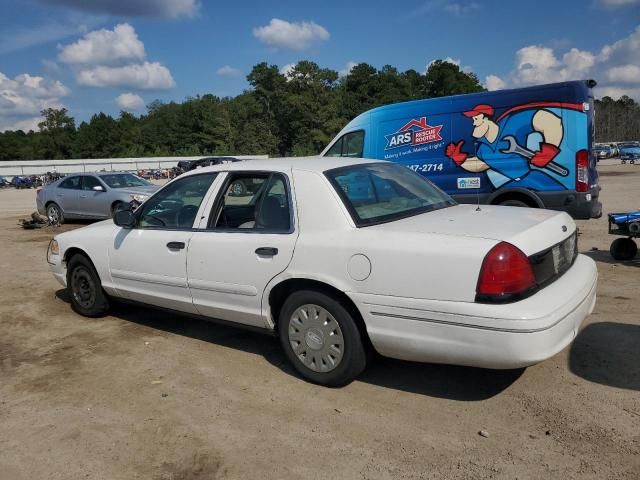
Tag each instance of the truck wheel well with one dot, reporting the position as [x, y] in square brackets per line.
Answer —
[519, 196]
[280, 292]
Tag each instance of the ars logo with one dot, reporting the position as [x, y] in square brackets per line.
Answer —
[416, 132]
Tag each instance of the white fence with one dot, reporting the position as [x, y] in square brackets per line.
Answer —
[38, 167]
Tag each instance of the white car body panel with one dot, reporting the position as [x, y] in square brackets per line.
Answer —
[412, 280]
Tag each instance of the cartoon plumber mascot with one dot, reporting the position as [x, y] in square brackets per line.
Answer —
[539, 133]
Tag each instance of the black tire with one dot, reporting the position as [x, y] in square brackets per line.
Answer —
[55, 214]
[354, 357]
[623, 249]
[85, 289]
[514, 203]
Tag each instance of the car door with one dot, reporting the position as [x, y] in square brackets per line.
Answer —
[148, 263]
[67, 195]
[93, 203]
[246, 240]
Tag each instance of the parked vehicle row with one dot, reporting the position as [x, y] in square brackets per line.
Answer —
[337, 256]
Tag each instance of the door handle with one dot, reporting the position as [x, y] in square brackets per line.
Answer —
[175, 245]
[267, 251]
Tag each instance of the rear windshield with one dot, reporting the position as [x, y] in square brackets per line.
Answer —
[381, 192]
[124, 180]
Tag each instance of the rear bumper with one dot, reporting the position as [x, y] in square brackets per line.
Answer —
[491, 336]
[582, 206]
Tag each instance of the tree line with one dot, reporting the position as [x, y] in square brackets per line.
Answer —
[293, 113]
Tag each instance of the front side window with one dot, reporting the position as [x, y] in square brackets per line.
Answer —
[72, 183]
[377, 193]
[253, 201]
[349, 145]
[124, 180]
[176, 205]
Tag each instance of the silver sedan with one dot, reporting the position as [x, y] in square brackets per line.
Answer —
[94, 196]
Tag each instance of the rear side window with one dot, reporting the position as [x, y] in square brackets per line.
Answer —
[71, 183]
[254, 201]
[349, 145]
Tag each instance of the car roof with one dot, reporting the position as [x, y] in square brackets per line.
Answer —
[313, 164]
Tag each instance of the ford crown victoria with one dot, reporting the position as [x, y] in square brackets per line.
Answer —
[339, 257]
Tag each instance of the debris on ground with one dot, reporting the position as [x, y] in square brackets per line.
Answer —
[483, 433]
[35, 221]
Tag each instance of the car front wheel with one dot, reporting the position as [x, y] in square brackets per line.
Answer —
[85, 289]
[321, 339]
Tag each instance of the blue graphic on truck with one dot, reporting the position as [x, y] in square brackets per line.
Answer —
[529, 147]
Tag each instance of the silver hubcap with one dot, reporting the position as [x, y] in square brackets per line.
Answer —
[53, 215]
[316, 338]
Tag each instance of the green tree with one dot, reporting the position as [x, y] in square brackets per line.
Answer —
[444, 78]
[57, 132]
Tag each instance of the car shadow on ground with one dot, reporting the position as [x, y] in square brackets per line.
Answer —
[603, 256]
[442, 381]
[608, 353]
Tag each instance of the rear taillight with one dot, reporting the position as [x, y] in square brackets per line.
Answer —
[506, 275]
[582, 171]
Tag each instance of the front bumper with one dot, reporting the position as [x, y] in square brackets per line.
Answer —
[490, 336]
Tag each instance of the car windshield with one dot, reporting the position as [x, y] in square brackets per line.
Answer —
[124, 180]
[380, 192]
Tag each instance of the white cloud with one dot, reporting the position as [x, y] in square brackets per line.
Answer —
[104, 47]
[145, 76]
[130, 102]
[493, 82]
[24, 125]
[624, 74]
[446, 6]
[292, 35]
[28, 94]
[228, 71]
[25, 96]
[141, 8]
[347, 69]
[616, 67]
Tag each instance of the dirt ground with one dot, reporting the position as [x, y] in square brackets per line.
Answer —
[146, 395]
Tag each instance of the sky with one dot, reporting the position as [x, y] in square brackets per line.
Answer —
[93, 56]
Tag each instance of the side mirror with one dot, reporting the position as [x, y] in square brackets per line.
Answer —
[124, 218]
[98, 188]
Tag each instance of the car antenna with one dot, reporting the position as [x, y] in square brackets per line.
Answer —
[478, 209]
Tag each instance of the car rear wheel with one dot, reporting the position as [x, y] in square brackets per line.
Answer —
[321, 339]
[55, 214]
[85, 289]
[623, 249]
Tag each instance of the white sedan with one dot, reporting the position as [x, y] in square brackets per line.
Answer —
[339, 256]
